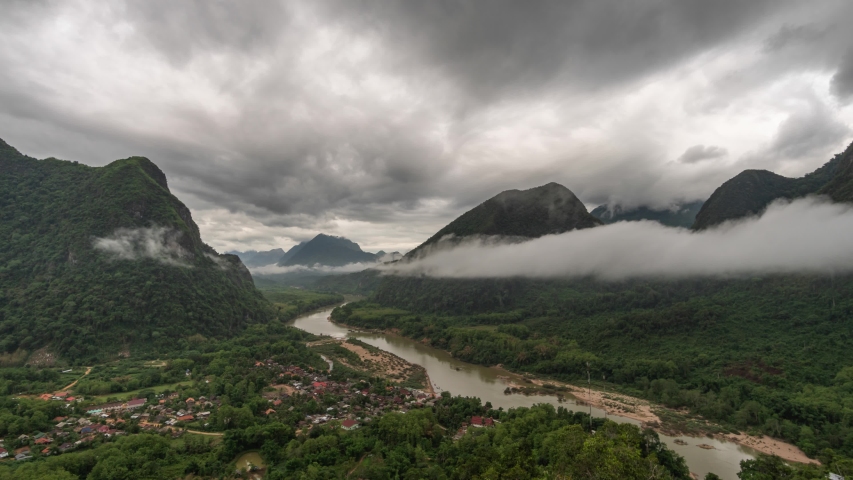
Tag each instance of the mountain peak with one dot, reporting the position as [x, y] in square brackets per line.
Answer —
[547, 209]
[326, 250]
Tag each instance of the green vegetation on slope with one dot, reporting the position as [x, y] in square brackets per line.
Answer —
[539, 211]
[751, 191]
[768, 354]
[58, 291]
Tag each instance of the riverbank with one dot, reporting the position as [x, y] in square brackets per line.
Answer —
[644, 411]
[633, 408]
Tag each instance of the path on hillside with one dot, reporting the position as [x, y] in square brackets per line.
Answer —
[212, 434]
[68, 387]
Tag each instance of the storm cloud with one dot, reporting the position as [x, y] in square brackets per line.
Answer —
[382, 121]
[804, 236]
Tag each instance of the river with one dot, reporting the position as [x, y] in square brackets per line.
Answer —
[461, 378]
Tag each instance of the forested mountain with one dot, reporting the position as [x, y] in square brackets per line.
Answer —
[290, 253]
[681, 215]
[532, 213]
[253, 258]
[751, 191]
[97, 260]
[327, 250]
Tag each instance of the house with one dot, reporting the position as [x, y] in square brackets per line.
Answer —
[135, 403]
[482, 422]
[269, 411]
[46, 451]
[22, 450]
[22, 456]
[3, 453]
[44, 441]
[349, 424]
[185, 418]
[65, 446]
[45, 396]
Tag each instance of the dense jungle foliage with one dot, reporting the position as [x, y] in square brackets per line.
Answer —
[766, 354]
[58, 291]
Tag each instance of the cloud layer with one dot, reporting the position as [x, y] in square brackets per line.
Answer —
[382, 121]
[806, 236]
[156, 243]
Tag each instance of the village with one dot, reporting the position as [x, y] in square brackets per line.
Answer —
[304, 399]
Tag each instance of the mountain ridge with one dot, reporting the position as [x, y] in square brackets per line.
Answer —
[99, 259]
[751, 191]
[547, 209]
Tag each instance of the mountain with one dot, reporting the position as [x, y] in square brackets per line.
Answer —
[327, 250]
[751, 191]
[532, 213]
[260, 259]
[681, 215]
[97, 260]
[290, 253]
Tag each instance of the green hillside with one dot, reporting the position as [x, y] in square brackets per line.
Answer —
[152, 281]
[751, 191]
[532, 213]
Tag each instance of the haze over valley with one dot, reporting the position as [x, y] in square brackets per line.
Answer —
[444, 240]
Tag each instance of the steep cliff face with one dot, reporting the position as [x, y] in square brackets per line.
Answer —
[101, 259]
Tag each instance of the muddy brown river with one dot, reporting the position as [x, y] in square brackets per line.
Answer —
[460, 378]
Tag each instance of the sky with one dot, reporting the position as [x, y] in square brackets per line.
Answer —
[382, 121]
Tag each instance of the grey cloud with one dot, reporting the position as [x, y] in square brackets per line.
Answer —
[794, 34]
[807, 131]
[807, 236]
[182, 30]
[842, 81]
[491, 48]
[697, 153]
[156, 243]
[306, 115]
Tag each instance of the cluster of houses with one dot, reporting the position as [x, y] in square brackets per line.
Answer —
[107, 421]
[353, 405]
[68, 433]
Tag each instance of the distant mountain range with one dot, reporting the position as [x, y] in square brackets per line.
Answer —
[323, 250]
[680, 215]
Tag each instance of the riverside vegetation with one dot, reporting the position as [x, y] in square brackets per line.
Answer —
[764, 354]
[423, 442]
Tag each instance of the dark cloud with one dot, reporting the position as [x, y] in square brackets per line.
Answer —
[842, 81]
[793, 34]
[375, 118]
[492, 48]
[182, 30]
[697, 153]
